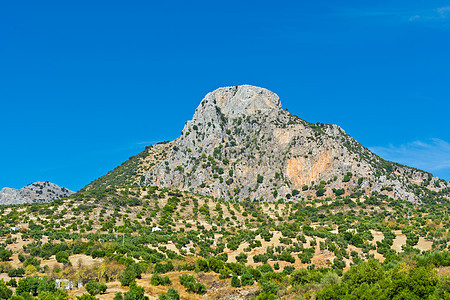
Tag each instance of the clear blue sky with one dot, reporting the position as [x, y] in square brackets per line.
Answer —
[84, 86]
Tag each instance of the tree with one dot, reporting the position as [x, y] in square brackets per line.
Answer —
[45, 285]
[172, 294]
[235, 281]
[127, 277]
[55, 295]
[118, 296]
[102, 287]
[260, 179]
[338, 192]
[366, 271]
[189, 282]
[28, 285]
[300, 277]
[5, 292]
[62, 257]
[92, 287]
[247, 279]
[320, 192]
[241, 258]
[5, 254]
[135, 293]
[86, 297]
[160, 280]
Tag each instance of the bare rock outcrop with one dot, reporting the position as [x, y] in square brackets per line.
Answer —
[37, 192]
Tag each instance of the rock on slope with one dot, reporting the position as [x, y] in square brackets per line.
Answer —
[241, 144]
[37, 192]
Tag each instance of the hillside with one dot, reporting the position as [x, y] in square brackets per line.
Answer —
[232, 249]
[131, 171]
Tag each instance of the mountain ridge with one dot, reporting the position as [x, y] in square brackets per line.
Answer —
[241, 144]
[36, 192]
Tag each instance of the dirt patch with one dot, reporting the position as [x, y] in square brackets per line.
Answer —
[378, 236]
[77, 260]
[399, 241]
[423, 244]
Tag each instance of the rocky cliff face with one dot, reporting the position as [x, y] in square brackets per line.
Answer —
[241, 144]
[37, 192]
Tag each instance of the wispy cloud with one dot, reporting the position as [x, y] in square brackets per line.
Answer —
[434, 16]
[432, 155]
[441, 15]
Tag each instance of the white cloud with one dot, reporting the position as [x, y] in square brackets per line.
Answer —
[432, 155]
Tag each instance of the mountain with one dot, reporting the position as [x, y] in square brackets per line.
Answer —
[131, 172]
[37, 192]
[241, 144]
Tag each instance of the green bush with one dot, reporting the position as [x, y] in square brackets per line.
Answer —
[160, 280]
[189, 282]
[172, 294]
[235, 281]
[5, 254]
[62, 257]
[246, 279]
[320, 192]
[135, 293]
[92, 287]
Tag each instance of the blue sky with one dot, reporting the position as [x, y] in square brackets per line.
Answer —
[84, 86]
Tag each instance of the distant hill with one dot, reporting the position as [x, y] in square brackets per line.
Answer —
[37, 192]
[241, 144]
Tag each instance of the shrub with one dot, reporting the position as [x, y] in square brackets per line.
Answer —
[247, 279]
[241, 258]
[102, 287]
[118, 296]
[62, 257]
[189, 282]
[135, 293]
[235, 281]
[86, 297]
[347, 177]
[160, 280]
[92, 287]
[338, 192]
[127, 277]
[28, 285]
[5, 254]
[320, 192]
[162, 268]
[5, 292]
[172, 294]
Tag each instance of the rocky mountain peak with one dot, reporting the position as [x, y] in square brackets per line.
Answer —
[36, 192]
[240, 144]
[240, 100]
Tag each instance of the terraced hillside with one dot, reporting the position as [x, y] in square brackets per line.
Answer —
[232, 249]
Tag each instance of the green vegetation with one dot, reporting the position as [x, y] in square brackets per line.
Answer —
[197, 233]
